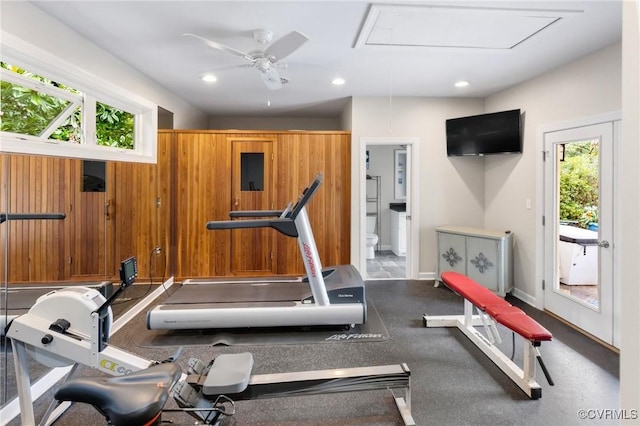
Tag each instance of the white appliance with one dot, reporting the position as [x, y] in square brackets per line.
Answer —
[578, 256]
[372, 237]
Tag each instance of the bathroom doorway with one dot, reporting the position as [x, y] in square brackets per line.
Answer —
[387, 241]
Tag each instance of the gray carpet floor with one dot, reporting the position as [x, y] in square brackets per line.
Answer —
[453, 383]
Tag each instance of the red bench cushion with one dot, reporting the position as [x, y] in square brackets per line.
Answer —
[524, 325]
[496, 307]
[478, 295]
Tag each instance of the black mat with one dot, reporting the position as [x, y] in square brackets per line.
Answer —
[373, 331]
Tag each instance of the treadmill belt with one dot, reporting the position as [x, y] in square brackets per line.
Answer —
[240, 292]
[373, 330]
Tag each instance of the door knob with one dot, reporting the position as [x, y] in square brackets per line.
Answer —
[603, 243]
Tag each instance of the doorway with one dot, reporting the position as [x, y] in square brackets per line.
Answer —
[388, 203]
[252, 189]
[579, 194]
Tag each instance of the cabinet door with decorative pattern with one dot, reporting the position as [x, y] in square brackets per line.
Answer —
[482, 261]
[451, 253]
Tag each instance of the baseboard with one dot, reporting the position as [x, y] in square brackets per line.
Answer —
[525, 297]
[583, 332]
[427, 276]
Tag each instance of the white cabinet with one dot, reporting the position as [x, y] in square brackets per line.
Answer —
[399, 233]
[484, 255]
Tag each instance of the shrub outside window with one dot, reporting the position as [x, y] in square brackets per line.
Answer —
[50, 107]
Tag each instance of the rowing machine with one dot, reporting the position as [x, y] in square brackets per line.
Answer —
[82, 337]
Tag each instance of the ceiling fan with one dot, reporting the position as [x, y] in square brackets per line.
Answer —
[267, 60]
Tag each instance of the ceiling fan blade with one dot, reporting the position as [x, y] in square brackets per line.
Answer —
[222, 47]
[272, 79]
[285, 46]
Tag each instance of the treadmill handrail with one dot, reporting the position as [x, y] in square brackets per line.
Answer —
[306, 196]
[286, 226]
[31, 216]
[255, 213]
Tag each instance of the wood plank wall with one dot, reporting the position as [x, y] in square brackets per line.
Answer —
[203, 190]
[38, 249]
[167, 206]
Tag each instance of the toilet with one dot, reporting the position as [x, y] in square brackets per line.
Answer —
[372, 238]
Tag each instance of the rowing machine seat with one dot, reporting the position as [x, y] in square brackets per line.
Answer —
[229, 374]
[140, 402]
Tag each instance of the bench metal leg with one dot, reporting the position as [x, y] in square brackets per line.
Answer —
[523, 377]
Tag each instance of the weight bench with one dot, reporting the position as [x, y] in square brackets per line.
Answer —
[491, 308]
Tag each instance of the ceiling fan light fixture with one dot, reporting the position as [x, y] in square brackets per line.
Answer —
[338, 81]
[269, 59]
[209, 78]
[461, 83]
[263, 36]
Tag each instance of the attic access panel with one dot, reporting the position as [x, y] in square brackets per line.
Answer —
[453, 27]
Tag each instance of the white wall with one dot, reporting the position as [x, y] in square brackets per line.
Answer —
[451, 189]
[491, 191]
[587, 87]
[274, 123]
[30, 24]
[629, 211]
[346, 116]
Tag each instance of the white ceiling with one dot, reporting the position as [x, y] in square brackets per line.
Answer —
[390, 48]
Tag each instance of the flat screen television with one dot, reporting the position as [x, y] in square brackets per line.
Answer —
[485, 134]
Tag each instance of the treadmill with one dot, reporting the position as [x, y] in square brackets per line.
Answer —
[329, 296]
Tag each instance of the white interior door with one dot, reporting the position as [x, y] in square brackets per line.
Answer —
[578, 271]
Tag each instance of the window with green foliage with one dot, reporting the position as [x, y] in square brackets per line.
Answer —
[45, 99]
[114, 127]
[579, 188]
[35, 106]
[32, 105]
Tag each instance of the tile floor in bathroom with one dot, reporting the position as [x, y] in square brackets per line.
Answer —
[386, 265]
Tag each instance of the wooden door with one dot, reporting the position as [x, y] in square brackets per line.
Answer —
[252, 183]
[134, 216]
[91, 214]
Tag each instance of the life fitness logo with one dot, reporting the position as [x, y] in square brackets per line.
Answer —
[113, 366]
[307, 254]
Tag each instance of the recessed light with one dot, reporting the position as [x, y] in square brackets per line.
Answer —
[461, 83]
[209, 78]
[338, 81]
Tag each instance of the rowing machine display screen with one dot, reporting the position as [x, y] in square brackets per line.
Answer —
[128, 271]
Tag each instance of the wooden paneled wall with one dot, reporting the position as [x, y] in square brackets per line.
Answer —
[203, 193]
[38, 250]
[167, 206]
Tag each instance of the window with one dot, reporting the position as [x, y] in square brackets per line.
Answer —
[34, 106]
[51, 107]
[94, 176]
[252, 171]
